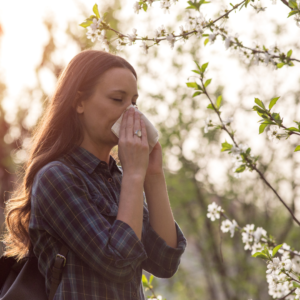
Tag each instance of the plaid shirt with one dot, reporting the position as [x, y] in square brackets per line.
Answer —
[106, 258]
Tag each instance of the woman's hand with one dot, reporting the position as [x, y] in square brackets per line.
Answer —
[133, 151]
[155, 161]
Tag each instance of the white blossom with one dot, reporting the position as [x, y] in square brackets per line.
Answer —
[256, 247]
[225, 225]
[94, 26]
[170, 38]
[212, 38]
[273, 266]
[214, 211]
[136, 7]
[165, 5]
[119, 45]
[199, 30]
[258, 233]
[144, 47]
[286, 264]
[132, 36]
[297, 291]
[92, 34]
[227, 121]
[228, 40]
[208, 125]
[273, 132]
[284, 247]
[102, 38]
[232, 227]
[256, 59]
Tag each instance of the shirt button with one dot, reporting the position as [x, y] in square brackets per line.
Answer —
[110, 179]
[134, 294]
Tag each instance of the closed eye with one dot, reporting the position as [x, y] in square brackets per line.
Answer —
[133, 103]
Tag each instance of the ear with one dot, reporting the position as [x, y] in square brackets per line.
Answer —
[77, 104]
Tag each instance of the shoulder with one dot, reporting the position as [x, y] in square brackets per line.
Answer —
[53, 172]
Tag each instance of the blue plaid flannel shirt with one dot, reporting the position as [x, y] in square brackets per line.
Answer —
[106, 258]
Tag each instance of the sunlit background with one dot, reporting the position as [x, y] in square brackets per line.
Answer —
[38, 38]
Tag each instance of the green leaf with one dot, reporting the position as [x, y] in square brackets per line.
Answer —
[196, 94]
[273, 102]
[192, 84]
[195, 71]
[95, 10]
[276, 117]
[276, 249]
[258, 109]
[210, 107]
[293, 4]
[289, 53]
[296, 285]
[258, 102]
[266, 121]
[86, 24]
[293, 12]
[262, 128]
[198, 66]
[145, 6]
[240, 169]
[203, 67]
[206, 41]
[219, 101]
[297, 148]
[293, 129]
[151, 278]
[280, 65]
[207, 82]
[260, 255]
[226, 146]
[144, 279]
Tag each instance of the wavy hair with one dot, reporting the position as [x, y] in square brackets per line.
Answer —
[57, 132]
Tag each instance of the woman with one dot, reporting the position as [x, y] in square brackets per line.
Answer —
[111, 231]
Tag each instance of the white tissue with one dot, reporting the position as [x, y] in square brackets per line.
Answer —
[152, 132]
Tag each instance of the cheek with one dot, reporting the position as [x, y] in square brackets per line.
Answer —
[94, 120]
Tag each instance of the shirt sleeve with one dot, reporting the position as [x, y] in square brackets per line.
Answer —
[113, 251]
[163, 260]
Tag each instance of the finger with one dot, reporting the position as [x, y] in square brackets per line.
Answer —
[137, 123]
[129, 123]
[144, 132]
[123, 125]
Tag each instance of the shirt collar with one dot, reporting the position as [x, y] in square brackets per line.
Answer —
[90, 162]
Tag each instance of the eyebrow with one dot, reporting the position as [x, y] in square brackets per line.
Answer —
[123, 92]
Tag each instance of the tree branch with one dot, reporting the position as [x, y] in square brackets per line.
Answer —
[253, 166]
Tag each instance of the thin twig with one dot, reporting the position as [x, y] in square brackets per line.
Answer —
[292, 291]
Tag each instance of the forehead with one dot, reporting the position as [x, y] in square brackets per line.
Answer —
[117, 76]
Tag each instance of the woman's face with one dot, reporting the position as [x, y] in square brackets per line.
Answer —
[115, 91]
